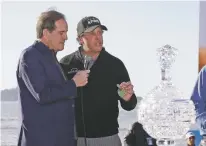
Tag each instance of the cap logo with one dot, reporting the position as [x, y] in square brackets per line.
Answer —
[90, 21]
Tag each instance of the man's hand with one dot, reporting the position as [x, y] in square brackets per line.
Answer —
[127, 88]
[81, 78]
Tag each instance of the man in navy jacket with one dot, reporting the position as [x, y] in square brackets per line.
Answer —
[199, 99]
[47, 97]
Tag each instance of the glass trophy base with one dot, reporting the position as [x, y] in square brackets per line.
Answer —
[165, 142]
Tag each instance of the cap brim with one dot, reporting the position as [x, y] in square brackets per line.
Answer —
[190, 135]
[90, 29]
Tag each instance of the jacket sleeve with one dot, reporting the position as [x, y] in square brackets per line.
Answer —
[44, 91]
[124, 77]
[199, 92]
[199, 99]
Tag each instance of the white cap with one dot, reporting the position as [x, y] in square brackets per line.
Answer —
[189, 134]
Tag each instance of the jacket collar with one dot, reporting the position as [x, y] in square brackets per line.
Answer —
[80, 56]
[43, 48]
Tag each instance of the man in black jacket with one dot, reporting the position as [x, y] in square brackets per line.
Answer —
[97, 103]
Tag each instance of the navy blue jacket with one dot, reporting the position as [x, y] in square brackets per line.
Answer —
[199, 99]
[47, 99]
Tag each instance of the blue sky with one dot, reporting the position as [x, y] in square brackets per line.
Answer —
[135, 30]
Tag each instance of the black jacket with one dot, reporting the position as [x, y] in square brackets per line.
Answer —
[138, 136]
[100, 98]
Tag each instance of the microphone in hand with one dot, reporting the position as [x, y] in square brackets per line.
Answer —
[81, 78]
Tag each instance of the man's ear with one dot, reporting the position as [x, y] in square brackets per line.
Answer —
[45, 32]
[80, 40]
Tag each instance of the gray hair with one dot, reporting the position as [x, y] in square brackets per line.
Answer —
[47, 21]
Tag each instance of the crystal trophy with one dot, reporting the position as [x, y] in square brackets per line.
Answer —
[165, 113]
